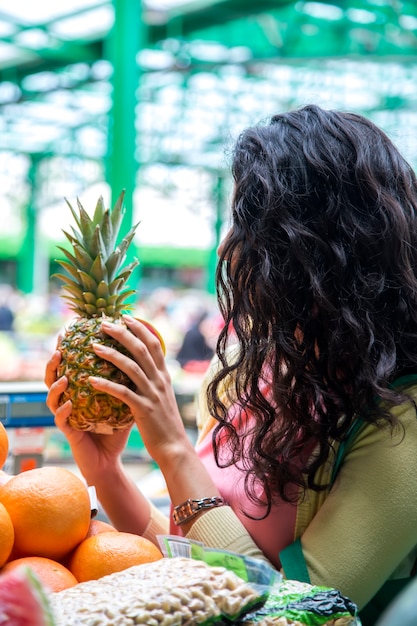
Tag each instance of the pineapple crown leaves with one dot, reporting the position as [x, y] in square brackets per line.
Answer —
[96, 276]
[108, 222]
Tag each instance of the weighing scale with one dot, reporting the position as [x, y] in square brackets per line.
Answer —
[23, 404]
[23, 412]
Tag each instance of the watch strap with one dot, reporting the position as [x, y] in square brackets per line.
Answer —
[190, 508]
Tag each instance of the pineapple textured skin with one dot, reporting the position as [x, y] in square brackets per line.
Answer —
[91, 410]
[95, 285]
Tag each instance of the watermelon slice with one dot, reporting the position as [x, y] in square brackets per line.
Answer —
[23, 601]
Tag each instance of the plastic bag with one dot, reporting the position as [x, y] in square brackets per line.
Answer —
[292, 601]
[252, 578]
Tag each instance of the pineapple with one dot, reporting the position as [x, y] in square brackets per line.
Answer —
[96, 289]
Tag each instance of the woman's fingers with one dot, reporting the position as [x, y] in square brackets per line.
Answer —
[56, 389]
[60, 412]
[61, 418]
[123, 362]
[142, 344]
[51, 368]
[117, 390]
[144, 368]
[151, 339]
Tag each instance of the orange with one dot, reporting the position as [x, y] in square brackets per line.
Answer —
[111, 552]
[6, 535]
[4, 445]
[51, 573]
[98, 526]
[50, 511]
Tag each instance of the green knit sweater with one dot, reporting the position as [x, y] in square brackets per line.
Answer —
[357, 535]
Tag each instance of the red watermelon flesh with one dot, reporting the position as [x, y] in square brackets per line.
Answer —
[23, 602]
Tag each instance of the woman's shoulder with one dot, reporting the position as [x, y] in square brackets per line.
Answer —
[382, 445]
[367, 442]
[405, 414]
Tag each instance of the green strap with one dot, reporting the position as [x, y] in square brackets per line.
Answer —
[344, 446]
[292, 560]
[402, 381]
[292, 557]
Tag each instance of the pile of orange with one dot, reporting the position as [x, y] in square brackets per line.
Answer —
[45, 523]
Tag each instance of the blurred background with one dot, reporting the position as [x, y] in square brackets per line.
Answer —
[148, 96]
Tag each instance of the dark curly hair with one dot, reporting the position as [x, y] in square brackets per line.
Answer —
[318, 279]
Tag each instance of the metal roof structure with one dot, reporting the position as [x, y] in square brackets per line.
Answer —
[50, 50]
[94, 91]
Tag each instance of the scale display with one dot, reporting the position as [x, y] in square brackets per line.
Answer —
[24, 404]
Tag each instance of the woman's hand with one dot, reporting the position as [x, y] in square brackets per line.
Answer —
[152, 403]
[155, 411]
[94, 454]
[154, 408]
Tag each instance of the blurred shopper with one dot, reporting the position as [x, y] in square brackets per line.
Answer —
[197, 348]
[6, 318]
[307, 449]
[7, 315]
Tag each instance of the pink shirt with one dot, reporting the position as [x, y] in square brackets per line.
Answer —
[271, 534]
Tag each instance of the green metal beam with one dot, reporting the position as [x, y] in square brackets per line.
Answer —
[383, 37]
[218, 219]
[27, 254]
[193, 16]
[125, 42]
[61, 52]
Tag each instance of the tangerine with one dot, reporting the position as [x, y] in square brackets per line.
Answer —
[4, 445]
[6, 535]
[111, 552]
[96, 526]
[50, 511]
[99, 526]
[52, 574]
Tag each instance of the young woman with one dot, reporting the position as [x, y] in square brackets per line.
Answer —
[308, 429]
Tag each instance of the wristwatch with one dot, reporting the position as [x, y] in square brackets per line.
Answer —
[189, 509]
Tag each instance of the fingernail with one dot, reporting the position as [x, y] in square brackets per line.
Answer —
[98, 347]
[128, 319]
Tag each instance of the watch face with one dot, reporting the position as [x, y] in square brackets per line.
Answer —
[185, 511]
